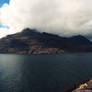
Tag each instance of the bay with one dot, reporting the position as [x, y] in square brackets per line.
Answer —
[43, 73]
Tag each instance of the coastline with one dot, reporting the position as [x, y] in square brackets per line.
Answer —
[84, 87]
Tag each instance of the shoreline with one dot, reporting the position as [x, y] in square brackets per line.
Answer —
[85, 87]
[81, 87]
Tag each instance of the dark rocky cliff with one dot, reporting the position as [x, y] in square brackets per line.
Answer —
[31, 41]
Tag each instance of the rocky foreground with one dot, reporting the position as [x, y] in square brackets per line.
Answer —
[86, 87]
[30, 41]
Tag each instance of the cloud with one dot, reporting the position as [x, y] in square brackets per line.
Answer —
[4, 32]
[63, 17]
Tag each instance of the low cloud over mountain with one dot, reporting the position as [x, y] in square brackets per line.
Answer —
[63, 17]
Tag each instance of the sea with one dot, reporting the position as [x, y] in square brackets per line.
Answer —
[43, 73]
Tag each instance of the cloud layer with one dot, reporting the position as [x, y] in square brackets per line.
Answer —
[63, 17]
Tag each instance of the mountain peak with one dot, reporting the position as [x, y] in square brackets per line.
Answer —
[31, 41]
[79, 39]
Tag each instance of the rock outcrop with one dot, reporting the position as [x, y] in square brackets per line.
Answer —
[86, 87]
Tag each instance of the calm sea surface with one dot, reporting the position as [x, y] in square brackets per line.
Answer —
[43, 73]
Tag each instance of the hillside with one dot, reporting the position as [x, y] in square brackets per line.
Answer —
[30, 41]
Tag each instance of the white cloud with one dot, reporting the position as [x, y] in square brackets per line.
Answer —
[63, 17]
[4, 32]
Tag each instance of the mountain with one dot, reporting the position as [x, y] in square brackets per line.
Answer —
[30, 41]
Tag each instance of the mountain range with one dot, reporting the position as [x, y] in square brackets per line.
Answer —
[30, 41]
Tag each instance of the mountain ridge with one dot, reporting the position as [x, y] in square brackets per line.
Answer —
[30, 41]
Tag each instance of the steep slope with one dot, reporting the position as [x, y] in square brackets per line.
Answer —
[32, 42]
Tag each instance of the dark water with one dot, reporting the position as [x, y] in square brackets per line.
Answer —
[43, 73]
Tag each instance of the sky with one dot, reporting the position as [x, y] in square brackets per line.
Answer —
[3, 2]
[62, 17]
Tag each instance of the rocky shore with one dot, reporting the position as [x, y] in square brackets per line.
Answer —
[85, 87]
